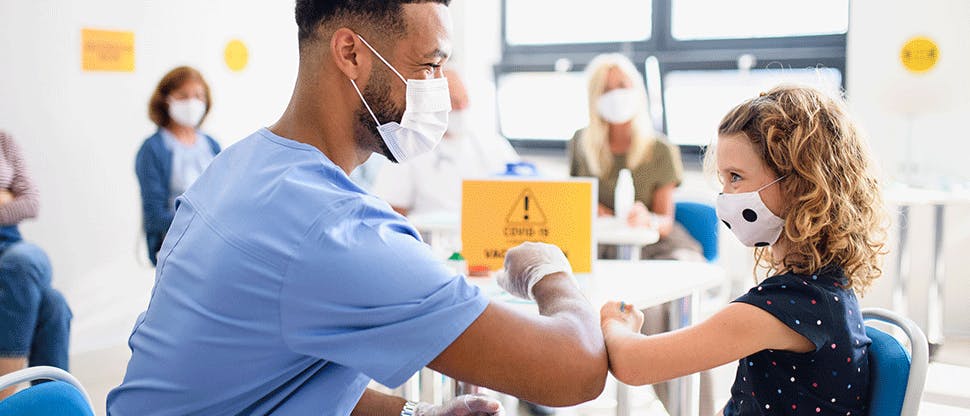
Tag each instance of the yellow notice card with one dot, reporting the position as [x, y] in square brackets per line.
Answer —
[499, 214]
[105, 50]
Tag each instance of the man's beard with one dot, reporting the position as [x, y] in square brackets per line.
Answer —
[378, 96]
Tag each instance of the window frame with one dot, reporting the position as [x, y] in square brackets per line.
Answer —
[673, 55]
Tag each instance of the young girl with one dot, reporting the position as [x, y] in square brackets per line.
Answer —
[797, 186]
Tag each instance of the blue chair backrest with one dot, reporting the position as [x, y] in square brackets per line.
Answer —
[889, 365]
[701, 222]
[50, 398]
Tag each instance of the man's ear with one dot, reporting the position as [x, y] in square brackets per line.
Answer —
[346, 50]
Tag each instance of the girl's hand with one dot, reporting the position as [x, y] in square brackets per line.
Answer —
[640, 216]
[621, 312]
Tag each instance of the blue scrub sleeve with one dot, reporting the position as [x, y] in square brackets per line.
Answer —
[365, 293]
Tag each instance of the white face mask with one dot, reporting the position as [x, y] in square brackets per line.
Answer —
[746, 215]
[187, 112]
[456, 124]
[426, 107]
[617, 106]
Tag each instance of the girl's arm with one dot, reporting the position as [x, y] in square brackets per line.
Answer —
[735, 332]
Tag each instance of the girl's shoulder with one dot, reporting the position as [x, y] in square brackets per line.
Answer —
[816, 306]
[820, 292]
[826, 277]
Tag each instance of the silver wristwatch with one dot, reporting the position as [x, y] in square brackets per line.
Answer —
[409, 408]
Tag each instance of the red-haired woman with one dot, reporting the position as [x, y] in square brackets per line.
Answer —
[171, 159]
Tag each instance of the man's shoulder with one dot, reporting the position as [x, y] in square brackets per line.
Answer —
[265, 178]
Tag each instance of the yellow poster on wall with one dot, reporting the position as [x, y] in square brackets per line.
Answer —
[919, 54]
[499, 214]
[106, 50]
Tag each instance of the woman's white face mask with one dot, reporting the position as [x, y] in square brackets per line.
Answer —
[426, 107]
[747, 216]
[187, 112]
[617, 106]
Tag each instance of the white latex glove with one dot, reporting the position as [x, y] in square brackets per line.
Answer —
[467, 405]
[527, 263]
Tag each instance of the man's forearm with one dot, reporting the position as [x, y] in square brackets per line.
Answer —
[557, 293]
[373, 403]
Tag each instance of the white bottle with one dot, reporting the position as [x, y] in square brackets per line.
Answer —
[458, 263]
[623, 195]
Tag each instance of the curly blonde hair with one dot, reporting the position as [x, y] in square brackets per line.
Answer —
[835, 214]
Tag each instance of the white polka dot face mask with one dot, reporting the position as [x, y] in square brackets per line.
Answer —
[746, 215]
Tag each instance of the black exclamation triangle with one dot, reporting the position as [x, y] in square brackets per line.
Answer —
[526, 216]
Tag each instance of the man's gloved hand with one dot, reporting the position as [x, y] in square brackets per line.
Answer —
[527, 263]
[467, 405]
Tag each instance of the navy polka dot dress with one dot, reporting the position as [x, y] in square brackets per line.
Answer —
[833, 379]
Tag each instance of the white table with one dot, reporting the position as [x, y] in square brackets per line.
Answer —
[614, 231]
[645, 284]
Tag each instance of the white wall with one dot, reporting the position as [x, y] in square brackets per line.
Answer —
[917, 122]
[80, 131]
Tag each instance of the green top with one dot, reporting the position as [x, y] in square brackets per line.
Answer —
[661, 168]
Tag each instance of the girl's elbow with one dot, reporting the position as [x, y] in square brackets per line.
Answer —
[629, 377]
[627, 371]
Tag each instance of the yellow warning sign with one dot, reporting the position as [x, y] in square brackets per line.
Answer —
[502, 213]
[106, 50]
[919, 54]
[236, 55]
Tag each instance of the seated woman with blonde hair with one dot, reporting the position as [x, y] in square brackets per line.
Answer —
[620, 136]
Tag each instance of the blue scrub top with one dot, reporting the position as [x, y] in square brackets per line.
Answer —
[284, 288]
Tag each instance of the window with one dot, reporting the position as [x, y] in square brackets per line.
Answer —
[696, 100]
[740, 19]
[542, 105]
[538, 22]
[704, 57]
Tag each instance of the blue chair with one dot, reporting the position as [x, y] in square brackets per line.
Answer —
[701, 222]
[64, 396]
[898, 376]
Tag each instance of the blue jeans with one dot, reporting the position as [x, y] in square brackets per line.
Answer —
[35, 321]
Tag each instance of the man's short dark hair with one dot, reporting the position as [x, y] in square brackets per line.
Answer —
[386, 14]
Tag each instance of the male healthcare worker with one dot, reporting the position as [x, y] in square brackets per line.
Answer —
[284, 288]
